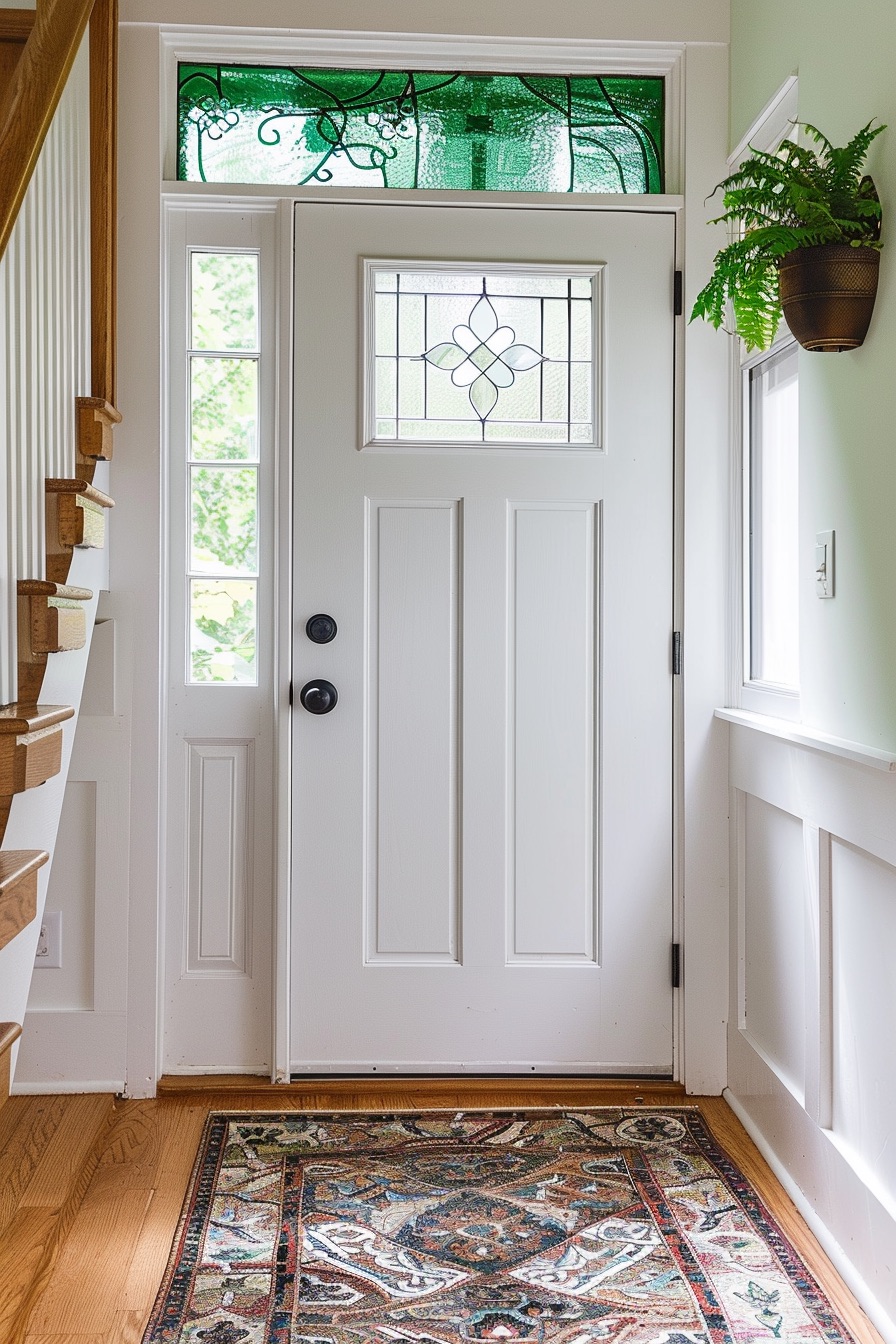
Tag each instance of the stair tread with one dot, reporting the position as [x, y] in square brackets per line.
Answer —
[15, 864]
[9, 1034]
[25, 718]
[100, 404]
[61, 485]
[44, 588]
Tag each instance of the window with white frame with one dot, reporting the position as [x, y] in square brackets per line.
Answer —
[223, 466]
[220, 464]
[771, 528]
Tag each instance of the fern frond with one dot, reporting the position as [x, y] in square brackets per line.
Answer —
[846, 163]
[797, 196]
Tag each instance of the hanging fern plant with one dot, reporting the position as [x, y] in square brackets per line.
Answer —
[797, 197]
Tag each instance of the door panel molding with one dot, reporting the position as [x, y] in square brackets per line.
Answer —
[413, 898]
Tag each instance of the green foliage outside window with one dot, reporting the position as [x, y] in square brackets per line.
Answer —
[223, 634]
[223, 499]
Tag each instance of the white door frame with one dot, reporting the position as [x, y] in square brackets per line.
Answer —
[696, 152]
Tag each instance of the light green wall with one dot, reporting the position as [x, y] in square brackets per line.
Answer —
[845, 56]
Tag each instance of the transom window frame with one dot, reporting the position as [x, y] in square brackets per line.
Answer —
[469, 54]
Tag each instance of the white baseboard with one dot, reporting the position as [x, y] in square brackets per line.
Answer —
[68, 1087]
[834, 1251]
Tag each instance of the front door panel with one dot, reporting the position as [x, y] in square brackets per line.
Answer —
[482, 824]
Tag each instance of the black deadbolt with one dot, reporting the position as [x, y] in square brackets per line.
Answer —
[319, 696]
[320, 628]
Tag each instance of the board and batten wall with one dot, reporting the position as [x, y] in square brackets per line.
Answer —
[812, 1043]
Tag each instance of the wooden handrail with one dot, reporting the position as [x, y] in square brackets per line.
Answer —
[32, 98]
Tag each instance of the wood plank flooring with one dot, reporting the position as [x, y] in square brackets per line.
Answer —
[49, 1151]
[113, 1253]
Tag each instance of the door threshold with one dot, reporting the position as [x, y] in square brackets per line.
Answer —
[418, 1091]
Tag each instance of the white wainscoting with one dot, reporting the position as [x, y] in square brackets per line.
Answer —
[812, 1033]
[75, 1030]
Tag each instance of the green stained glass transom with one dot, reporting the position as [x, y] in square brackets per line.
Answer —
[391, 128]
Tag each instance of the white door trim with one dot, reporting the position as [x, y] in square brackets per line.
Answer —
[148, 53]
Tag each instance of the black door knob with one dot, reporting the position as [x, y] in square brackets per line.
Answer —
[318, 696]
[320, 628]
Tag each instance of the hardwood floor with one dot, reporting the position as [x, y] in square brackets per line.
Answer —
[112, 1253]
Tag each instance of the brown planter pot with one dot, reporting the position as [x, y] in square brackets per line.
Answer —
[827, 294]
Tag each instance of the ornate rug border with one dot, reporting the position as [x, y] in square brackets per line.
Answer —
[204, 1173]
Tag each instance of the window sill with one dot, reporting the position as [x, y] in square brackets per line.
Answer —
[802, 736]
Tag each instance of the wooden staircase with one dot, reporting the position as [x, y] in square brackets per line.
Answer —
[37, 52]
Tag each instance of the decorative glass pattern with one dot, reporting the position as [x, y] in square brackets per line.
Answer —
[482, 357]
[399, 128]
[222, 561]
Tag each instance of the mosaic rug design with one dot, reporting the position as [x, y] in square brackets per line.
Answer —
[563, 1226]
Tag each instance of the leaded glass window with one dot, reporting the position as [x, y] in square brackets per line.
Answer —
[466, 355]
[391, 128]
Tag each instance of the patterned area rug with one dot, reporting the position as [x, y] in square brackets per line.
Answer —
[612, 1224]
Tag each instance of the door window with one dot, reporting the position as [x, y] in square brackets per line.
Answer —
[482, 356]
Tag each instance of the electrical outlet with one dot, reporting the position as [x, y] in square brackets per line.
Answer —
[49, 944]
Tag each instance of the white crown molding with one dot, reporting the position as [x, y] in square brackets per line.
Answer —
[422, 51]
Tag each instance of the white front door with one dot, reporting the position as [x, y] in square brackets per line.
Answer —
[483, 464]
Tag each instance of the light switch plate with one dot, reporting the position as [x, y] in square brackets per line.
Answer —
[824, 564]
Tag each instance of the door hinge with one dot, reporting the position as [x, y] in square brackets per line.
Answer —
[678, 294]
[289, 696]
[676, 965]
[676, 653]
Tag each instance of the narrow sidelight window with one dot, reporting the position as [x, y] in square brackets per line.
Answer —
[222, 467]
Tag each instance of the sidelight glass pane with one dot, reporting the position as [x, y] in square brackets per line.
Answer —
[420, 129]
[223, 409]
[224, 507]
[224, 289]
[223, 630]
